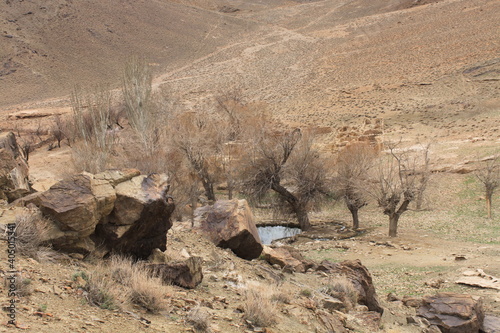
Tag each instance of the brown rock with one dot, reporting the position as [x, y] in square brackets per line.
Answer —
[141, 217]
[14, 171]
[230, 224]
[453, 313]
[282, 257]
[491, 324]
[359, 276]
[73, 209]
[186, 274]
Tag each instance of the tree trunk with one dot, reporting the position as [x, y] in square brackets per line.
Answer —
[302, 217]
[355, 218]
[209, 190]
[393, 225]
[488, 204]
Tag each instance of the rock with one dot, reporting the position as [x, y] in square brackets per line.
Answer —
[280, 256]
[453, 313]
[230, 224]
[73, 209]
[363, 321]
[140, 218]
[332, 304]
[491, 324]
[413, 302]
[14, 182]
[186, 274]
[331, 322]
[360, 278]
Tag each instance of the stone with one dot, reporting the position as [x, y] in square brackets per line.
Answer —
[70, 203]
[140, 218]
[186, 274]
[14, 171]
[453, 313]
[282, 257]
[230, 224]
[491, 324]
[331, 304]
[360, 277]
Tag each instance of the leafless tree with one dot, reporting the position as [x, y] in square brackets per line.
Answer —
[199, 137]
[396, 183]
[91, 122]
[423, 177]
[353, 166]
[489, 176]
[140, 108]
[287, 164]
[58, 129]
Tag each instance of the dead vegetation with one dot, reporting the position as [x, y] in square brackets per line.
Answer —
[258, 307]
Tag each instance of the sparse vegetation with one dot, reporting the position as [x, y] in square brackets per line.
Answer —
[342, 289]
[489, 176]
[258, 307]
[31, 231]
[199, 319]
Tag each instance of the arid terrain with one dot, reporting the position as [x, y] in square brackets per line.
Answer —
[427, 71]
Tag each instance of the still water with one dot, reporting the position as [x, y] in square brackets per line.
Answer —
[268, 234]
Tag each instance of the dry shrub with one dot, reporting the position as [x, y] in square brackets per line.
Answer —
[258, 307]
[31, 231]
[343, 289]
[199, 319]
[23, 286]
[100, 290]
[141, 288]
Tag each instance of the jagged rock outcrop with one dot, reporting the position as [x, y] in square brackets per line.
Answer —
[127, 212]
[230, 224]
[140, 218]
[360, 277]
[283, 258]
[453, 313]
[14, 182]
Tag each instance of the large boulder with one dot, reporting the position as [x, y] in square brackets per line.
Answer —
[140, 218]
[453, 313]
[360, 277]
[126, 212]
[230, 224]
[14, 182]
[74, 209]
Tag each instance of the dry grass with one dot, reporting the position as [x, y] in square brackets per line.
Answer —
[259, 309]
[31, 231]
[199, 319]
[342, 289]
[141, 288]
[23, 286]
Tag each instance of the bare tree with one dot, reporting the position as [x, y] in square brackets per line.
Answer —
[489, 176]
[353, 166]
[91, 122]
[397, 183]
[139, 104]
[58, 129]
[198, 136]
[287, 164]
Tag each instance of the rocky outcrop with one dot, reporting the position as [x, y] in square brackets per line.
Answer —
[358, 274]
[187, 273]
[126, 212]
[14, 170]
[230, 224]
[453, 313]
[140, 218]
[283, 258]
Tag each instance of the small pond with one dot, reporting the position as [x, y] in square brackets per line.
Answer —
[268, 234]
